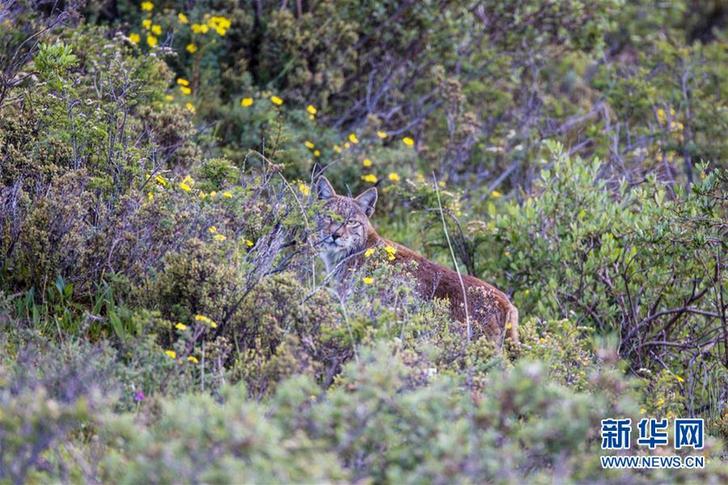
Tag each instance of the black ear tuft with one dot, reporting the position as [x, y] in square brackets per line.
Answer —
[324, 190]
[367, 200]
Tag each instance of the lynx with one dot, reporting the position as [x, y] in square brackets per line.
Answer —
[345, 234]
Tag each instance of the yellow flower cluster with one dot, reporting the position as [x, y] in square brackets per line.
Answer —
[205, 321]
[147, 6]
[181, 326]
[219, 24]
[305, 190]
[200, 28]
[391, 251]
[662, 118]
[278, 101]
[171, 354]
[368, 280]
[161, 180]
[184, 86]
[370, 178]
[187, 183]
[246, 102]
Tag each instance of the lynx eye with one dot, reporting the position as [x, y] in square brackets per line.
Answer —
[353, 224]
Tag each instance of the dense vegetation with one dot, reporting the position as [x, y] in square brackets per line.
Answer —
[163, 313]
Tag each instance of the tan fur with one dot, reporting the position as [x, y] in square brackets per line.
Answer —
[346, 233]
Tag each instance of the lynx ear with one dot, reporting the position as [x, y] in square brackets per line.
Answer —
[367, 200]
[324, 190]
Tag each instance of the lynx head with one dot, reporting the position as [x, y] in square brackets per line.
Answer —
[343, 224]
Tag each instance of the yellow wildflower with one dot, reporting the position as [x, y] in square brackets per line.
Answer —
[190, 107]
[311, 110]
[185, 90]
[157, 29]
[679, 379]
[408, 141]
[496, 194]
[369, 252]
[206, 321]
[347, 145]
[219, 24]
[219, 237]
[382, 134]
[147, 6]
[203, 195]
[183, 82]
[661, 116]
[192, 359]
[276, 100]
[191, 48]
[309, 144]
[317, 153]
[353, 138]
[367, 163]
[213, 194]
[199, 28]
[134, 38]
[147, 23]
[151, 41]
[161, 180]
[368, 280]
[246, 102]
[393, 177]
[227, 194]
[150, 197]
[305, 190]
[391, 251]
[182, 18]
[168, 97]
[337, 148]
[171, 354]
[212, 229]
[249, 243]
[181, 326]
[186, 183]
[370, 177]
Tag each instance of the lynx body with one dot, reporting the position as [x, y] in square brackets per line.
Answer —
[345, 233]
